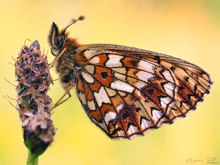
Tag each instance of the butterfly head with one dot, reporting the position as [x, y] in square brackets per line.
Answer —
[57, 38]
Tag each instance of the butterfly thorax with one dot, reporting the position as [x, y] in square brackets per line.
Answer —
[66, 65]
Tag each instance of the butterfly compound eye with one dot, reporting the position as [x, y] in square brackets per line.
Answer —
[60, 42]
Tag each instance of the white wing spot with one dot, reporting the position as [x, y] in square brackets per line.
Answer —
[140, 84]
[101, 97]
[110, 116]
[88, 77]
[168, 76]
[169, 88]
[132, 129]
[146, 66]
[89, 53]
[120, 107]
[145, 76]
[95, 60]
[114, 61]
[156, 114]
[145, 124]
[164, 101]
[91, 105]
[122, 86]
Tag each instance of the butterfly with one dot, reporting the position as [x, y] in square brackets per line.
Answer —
[124, 90]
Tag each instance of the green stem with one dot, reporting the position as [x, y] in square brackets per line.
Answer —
[32, 159]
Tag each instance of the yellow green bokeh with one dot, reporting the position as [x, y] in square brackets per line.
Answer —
[186, 29]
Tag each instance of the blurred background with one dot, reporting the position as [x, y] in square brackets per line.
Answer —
[188, 29]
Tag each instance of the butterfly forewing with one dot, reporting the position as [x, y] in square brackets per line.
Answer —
[126, 91]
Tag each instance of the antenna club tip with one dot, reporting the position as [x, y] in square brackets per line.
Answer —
[72, 22]
[81, 18]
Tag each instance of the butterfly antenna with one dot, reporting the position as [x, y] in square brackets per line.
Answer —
[74, 21]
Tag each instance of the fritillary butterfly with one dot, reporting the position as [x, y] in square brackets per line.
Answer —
[126, 91]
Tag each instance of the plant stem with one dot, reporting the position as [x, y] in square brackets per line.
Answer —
[32, 159]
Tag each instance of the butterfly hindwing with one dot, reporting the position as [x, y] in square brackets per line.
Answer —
[126, 91]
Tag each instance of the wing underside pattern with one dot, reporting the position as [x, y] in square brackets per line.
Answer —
[127, 92]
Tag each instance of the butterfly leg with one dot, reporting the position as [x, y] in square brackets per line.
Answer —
[57, 57]
[62, 100]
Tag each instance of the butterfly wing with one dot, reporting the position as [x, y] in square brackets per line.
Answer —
[126, 91]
